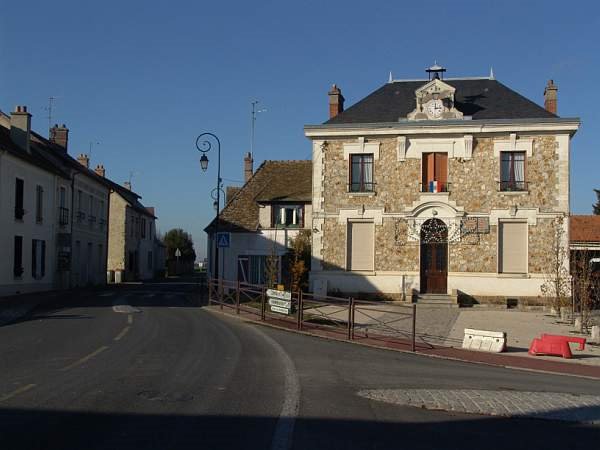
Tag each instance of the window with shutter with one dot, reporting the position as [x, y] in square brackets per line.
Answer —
[435, 172]
[360, 246]
[512, 242]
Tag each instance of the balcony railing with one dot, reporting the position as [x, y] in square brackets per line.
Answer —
[436, 186]
[514, 186]
[63, 216]
[361, 187]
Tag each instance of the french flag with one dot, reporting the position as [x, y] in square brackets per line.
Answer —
[435, 186]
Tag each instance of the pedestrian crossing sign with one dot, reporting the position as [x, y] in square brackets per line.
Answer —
[223, 239]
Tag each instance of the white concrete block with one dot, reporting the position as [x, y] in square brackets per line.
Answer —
[484, 340]
[595, 334]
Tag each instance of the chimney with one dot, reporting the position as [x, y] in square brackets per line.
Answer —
[127, 185]
[60, 135]
[100, 170]
[20, 127]
[336, 101]
[84, 160]
[248, 166]
[551, 97]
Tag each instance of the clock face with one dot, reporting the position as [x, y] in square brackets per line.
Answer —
[435, 108]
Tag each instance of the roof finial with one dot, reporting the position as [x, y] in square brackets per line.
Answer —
[390, 79]
[492, 73]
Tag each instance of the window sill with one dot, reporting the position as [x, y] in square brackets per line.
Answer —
[362, 194]
[514, 192]
[512, 275]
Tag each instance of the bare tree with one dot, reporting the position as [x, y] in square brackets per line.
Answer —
[586, 285]
[557, 280]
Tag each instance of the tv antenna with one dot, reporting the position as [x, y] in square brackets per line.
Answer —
[254, 113]
[49, 110]
[92, 143]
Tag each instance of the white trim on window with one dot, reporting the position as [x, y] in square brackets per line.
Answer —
[513, 145]
[361, 147]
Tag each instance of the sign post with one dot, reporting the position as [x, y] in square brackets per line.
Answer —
[177, 255]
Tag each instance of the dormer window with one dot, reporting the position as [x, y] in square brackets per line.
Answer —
[288, 216]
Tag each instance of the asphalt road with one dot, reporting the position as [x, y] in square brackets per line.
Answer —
[145, 368]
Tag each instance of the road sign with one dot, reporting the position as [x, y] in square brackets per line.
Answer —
[223, 239]
[178, 253]
[280, 301]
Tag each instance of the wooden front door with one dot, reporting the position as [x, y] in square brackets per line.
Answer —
[434, 257]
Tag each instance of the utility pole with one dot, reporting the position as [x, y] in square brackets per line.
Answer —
[254, 113]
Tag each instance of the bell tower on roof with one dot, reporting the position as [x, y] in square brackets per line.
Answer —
[435, 72]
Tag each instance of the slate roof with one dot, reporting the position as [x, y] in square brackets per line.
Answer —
[273, 181]
[479, 98]
[584, 229]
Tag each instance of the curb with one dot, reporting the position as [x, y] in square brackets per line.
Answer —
[428, 355]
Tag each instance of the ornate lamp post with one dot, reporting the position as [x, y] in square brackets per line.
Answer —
[203, 144]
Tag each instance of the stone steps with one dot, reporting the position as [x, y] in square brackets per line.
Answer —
[436, 300]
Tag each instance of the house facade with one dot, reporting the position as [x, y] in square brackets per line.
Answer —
[438, 187]
[133, 251]
[260, 218]
[30, 218]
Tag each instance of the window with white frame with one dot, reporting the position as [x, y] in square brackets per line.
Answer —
[288, 216]
[38, 259]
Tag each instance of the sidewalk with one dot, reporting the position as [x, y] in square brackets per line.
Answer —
[507, 360]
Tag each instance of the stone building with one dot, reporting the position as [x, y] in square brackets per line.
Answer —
[260, 218]
[132, 244]
[437, 188]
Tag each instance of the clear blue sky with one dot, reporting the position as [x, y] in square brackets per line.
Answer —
[145, 78]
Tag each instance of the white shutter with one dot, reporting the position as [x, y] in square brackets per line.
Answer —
[513, 247]
[360, 246]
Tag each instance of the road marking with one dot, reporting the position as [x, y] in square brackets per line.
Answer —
[284, 429]
[122, 333]
[107, 294]
[130, 319]
[17, 392]
[85, 358]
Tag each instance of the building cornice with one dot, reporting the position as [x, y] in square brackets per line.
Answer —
[565, 125]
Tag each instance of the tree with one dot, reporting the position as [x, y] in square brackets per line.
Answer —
[178, 239]
[586, 285]
[556, 286]
[300, 260]
[596, 205]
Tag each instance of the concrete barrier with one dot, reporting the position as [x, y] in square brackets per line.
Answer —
[485, 341]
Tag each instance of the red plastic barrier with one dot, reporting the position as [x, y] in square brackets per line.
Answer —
[555, 345]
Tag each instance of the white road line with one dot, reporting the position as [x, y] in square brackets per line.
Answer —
[17, 392]
[129, 319]
[107, 294]
[284, 429]
[85, 358]
[122, 333]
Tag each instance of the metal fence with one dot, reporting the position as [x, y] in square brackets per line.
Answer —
[352, 318]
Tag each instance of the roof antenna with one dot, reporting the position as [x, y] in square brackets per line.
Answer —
[492, 73]
[49, 109]
[92, 145]
[390, 79]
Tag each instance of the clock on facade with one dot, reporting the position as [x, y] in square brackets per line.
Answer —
[435, 108]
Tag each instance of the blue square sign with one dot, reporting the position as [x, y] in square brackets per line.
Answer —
[223, 239]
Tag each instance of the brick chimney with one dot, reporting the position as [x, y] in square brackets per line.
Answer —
[248, 166]
[551, 97]
[336, 101]
[60, 135]
[20, 127]
[127, 185]
[84, 160]
[100, 170]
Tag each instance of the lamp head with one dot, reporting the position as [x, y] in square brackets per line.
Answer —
[204, 163]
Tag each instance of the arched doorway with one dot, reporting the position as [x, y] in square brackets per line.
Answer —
[434, 257]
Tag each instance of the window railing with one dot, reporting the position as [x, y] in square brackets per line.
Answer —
[362, 186]
[92, 219]
[436, 186]
[514, 186]
[63, 216]
[19, 213]
[80, 216]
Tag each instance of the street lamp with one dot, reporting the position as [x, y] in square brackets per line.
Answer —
[203, 144]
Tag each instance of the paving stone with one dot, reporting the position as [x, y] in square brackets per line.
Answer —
[541, 405]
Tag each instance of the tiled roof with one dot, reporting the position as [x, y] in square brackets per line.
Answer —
[584, 228]
[273, 181]
[479, 98]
